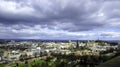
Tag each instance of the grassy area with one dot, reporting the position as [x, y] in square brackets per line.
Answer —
[35, 63]
[2, 65]
[115, 62]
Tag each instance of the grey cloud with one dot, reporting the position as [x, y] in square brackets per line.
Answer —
[106, 35]
[75, 12]
[67, 15]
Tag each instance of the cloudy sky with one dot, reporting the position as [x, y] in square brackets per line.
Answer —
[60, 19]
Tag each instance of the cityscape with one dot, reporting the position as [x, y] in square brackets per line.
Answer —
[58, 53]
[59, 33]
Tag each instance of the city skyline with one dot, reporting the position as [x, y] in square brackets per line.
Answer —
[60, 19]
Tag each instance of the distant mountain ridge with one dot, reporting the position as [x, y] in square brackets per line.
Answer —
[47, 40]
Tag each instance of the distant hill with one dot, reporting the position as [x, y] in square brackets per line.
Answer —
[48, 40]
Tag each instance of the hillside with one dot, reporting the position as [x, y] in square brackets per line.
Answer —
[115, 62]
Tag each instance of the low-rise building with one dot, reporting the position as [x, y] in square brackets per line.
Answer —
[1, 56]
[14, 55]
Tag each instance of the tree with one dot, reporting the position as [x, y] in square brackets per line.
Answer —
[17, 64]
[77, 44]
[119, 46]
[23, 57]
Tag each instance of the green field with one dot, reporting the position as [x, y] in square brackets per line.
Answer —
[115, 62]
[47, 62]
[2, 65]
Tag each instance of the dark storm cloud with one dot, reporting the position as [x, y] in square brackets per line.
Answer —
[69, 16]
[76, 12]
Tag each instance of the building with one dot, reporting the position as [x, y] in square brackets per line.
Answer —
[1, 55]
[14, 55]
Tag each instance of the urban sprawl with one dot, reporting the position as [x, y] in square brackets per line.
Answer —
[57, 54]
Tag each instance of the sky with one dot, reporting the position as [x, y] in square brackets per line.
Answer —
[60, 19]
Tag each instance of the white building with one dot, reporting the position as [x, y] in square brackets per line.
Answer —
[33, 52]
[14, 55]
